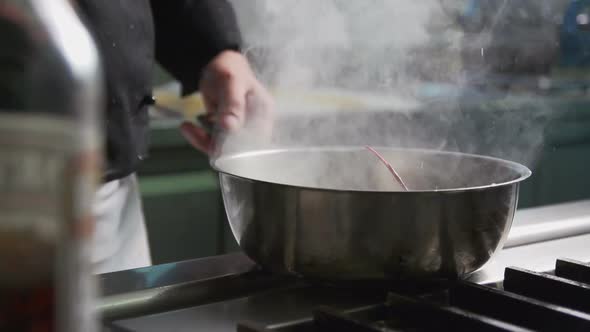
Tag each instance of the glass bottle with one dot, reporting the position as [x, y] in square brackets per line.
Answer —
[50, 148]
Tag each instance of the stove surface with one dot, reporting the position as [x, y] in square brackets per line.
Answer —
[220, 301]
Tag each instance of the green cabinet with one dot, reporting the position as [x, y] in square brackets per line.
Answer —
[181, 200]
[562, 175]
[563, 172]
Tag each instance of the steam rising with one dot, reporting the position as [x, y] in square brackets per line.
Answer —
[336, 43]
[410, 74]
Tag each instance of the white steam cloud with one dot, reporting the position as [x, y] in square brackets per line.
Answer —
[410, 74]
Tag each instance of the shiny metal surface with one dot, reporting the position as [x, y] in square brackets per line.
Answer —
[265, 308]
[154, 289]
[170, 286]
[550, 222]
[163, 275]
[296, 303]
[335, 213]
[539, 257]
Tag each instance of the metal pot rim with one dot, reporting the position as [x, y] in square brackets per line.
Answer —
[524, 171]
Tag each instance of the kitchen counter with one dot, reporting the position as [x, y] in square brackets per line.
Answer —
[190, 283]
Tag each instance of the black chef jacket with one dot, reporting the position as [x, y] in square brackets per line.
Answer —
[182, 35]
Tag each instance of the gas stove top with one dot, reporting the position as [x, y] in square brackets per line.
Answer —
[540, 281]
[527, 301]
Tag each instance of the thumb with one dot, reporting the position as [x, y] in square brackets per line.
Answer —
[196, 136]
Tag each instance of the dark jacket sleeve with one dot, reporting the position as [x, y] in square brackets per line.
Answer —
[190, 33]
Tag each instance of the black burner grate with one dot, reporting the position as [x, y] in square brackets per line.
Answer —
[573, 270]
[529, 301]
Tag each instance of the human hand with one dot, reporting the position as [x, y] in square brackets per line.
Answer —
[233, 96]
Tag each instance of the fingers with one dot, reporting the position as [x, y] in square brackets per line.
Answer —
[234, 100]
[232, 110]
[210, 104]
[260, 110]
[263, 104]
[196, 136]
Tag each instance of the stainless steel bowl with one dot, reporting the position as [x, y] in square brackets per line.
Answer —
[336, 213]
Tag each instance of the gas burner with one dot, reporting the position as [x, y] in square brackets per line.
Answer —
[524, 301]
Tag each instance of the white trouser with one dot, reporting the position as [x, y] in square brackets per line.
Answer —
[120, 239]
